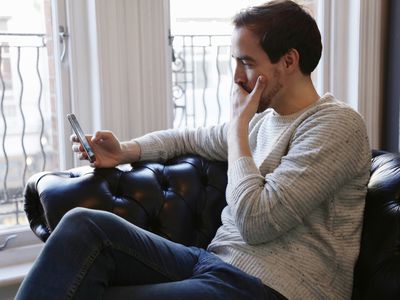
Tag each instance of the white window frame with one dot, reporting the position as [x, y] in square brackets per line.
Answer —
[22, 249]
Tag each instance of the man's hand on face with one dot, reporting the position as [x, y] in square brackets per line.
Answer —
[244, 107]
[244, 104]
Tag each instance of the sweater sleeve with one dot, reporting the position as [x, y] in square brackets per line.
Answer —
[326, 151]
[209, 142]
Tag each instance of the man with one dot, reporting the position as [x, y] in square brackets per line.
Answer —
[298, 165]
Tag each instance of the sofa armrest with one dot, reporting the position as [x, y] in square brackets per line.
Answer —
[377, 272]
[181, 199]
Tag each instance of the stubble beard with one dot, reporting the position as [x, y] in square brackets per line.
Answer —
[266, 101]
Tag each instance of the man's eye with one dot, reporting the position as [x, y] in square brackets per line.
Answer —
[246, 63]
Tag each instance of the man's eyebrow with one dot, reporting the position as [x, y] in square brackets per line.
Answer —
[244, 57]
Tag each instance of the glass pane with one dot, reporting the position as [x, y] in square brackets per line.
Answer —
[28, 127]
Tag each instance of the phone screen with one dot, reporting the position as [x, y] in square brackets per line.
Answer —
[81, 136]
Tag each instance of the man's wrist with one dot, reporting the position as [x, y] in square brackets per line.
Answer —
[238, 144]
[237, 127]
[130, 152]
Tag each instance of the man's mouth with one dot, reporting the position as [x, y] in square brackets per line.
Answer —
[247, 89]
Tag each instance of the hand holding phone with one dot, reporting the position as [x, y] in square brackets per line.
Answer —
[81, 137]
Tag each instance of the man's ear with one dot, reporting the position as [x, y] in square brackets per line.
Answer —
[291, 60]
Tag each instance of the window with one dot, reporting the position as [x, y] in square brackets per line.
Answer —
[202, 66]
[28, 105]
[28, 124]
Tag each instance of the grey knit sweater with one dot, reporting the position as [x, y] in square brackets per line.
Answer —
[294, 213]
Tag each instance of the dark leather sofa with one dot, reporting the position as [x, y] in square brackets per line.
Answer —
[182, 200]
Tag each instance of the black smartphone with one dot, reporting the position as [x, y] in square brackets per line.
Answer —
[81, 137]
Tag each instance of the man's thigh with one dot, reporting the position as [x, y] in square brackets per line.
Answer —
[138, 256]
[211, 279]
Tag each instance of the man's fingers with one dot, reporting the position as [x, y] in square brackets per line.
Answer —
[101, 135]
[77, 148]
[82, 156]
[239, 91]
[73, 138]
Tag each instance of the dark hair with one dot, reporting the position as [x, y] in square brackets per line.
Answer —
[281, 26]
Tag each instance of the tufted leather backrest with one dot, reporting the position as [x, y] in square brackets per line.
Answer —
[181, 200]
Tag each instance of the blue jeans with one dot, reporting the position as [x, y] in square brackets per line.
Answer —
[90, 252]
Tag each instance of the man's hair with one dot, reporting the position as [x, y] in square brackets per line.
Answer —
[281, 26]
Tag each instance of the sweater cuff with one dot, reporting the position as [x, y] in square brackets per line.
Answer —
[241, 168]
[148, 148]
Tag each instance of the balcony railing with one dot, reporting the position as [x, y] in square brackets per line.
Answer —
[202, 79]
[26, 134]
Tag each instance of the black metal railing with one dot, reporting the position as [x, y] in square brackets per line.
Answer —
[202, 79]
[25, 118]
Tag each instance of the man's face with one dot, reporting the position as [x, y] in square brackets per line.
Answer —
[252, 61]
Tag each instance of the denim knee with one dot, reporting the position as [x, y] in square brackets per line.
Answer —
[77, 214]
[78, 217]
[79, 211]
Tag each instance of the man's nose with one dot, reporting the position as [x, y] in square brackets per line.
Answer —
[239, 76]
